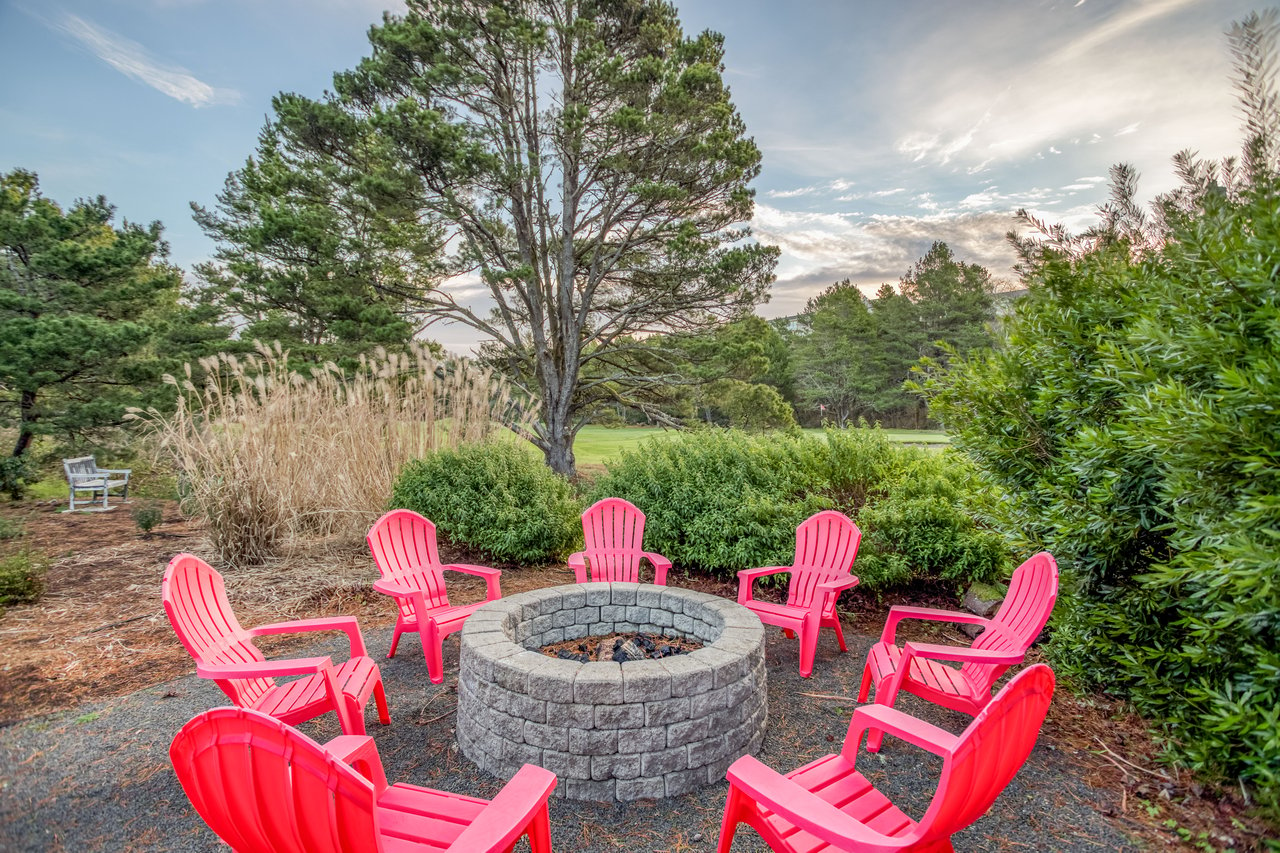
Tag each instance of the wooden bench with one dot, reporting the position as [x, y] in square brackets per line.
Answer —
[84, 475]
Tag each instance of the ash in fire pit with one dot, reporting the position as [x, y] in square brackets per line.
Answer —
[621, 648]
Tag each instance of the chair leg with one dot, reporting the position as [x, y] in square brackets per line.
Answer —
[431, 649]
[395, 639]
[808, 645]
[729, 823]
[865, 689]
[352, 722]
[839, 634]
[380, 699]
[540, 831]
[886, 693]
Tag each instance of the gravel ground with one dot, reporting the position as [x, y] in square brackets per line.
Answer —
[98, 777]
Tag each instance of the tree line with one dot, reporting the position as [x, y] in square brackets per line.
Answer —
[92, 314]
[582, 164]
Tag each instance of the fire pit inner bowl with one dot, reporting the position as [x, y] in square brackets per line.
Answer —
[612, 731]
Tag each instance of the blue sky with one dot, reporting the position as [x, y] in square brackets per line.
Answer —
[885, 124]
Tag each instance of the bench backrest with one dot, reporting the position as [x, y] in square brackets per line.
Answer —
[83, 468]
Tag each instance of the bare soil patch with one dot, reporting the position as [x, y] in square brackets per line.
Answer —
[99, 629]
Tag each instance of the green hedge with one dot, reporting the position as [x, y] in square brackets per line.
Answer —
[1129, 424]
[495, 497]
[721, 501]
[21, 578]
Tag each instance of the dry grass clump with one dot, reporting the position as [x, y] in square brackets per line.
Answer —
[267, 454]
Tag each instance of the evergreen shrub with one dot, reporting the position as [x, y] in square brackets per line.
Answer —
[493, 496]
[21, 578]
[721, 501]
[1129, 424]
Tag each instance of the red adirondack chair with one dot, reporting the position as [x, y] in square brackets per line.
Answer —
[404, 548]
[826, 544]
[265, 787]
[829, 805]
[613, 531]
[917, 668]
[195, 599]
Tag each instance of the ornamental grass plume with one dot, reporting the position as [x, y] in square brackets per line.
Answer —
[267, 454]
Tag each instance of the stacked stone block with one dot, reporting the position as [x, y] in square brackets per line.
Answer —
[610, 731]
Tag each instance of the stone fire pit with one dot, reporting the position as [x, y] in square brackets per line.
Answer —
[610, 731]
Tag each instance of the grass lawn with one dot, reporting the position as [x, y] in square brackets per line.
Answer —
[597, 445]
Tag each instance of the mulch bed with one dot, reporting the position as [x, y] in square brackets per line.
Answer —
[99, 632]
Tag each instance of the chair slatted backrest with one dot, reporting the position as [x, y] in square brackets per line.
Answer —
[826, 544]
[264, 787]
[613, 536]
[1033, 590]
[195, 600]
[403, 545]
[989, 753]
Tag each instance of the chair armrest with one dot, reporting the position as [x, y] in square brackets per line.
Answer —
[898, 613]
[346, 624]
[806, 810]
[904, 726]
[359, 751]
[746, 577]
[935, 651]
[125, 471]
[492, 582]
[839, 585]
[578, 562]
[392, 588]
[658, 560]
[829, 591]
[505, 819]
[482, 571]
[661, 565]
[263, 668]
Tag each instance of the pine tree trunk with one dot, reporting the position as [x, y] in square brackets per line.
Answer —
[559, 456]
[28, 415]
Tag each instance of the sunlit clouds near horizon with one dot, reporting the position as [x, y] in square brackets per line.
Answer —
[884, 124]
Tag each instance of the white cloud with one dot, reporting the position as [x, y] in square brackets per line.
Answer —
[132, 60]
[791, 193]
[1036, 78]
[1117, 25]
[819, 249]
